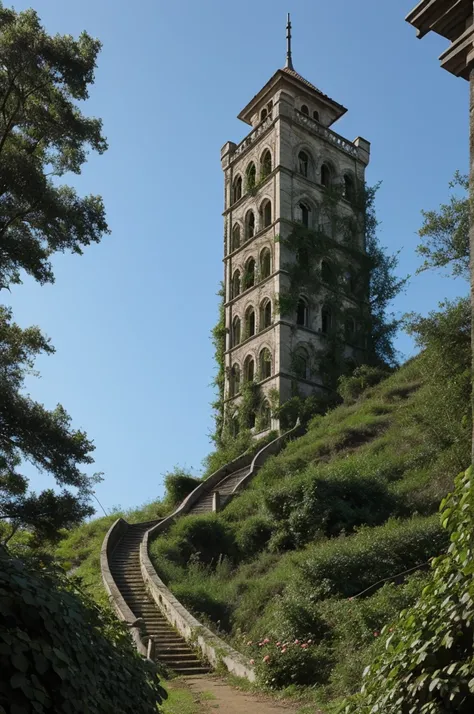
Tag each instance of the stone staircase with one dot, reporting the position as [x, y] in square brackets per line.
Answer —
[224, 487]
[170, 648]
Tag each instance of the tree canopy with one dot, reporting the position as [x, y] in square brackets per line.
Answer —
[445, 233]
[43, 135]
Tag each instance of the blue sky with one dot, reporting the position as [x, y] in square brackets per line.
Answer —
[130, 319]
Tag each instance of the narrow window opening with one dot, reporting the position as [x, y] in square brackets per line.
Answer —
[326, 320]
[348, 188]
[235, 237]
[235, 284]
[251, 174]
[316, 115]
[304, 109]
[265, 314]
[265, 263]
[266, 214]
[250, 225]
[265, 364]
[302, 313]
[325, 176]
[249, 276]
[303, 163]
[249, 369]
[326, 272]
[235, 380]
[237, 189]
[304, 214]
[236, 331]
[263, 114]
[266, 164]
[250, 322]
[300, 364]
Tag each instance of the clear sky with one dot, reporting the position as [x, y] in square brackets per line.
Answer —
[131, 319]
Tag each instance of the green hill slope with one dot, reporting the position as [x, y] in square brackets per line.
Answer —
[333, 537]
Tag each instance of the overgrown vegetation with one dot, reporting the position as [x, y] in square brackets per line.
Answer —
[59, 651]
[335, 534]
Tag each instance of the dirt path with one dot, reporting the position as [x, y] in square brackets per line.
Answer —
[213, 694]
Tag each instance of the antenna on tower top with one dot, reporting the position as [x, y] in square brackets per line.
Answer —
[289, 61]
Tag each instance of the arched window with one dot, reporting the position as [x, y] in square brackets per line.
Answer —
[326, 272]
[249, 275]
[266, 214]
[250, 322]
[251, 176]
[302, 313]
[265, 314]
[249, 369]
[251, 419]
[235, 237]
[326, 320]
[265, 416]
[249, 224]
[303, 214]
[235, 331]
[270, 106]
[326, 176]
[301, 363]
[316, 115]
[266, 164]
[265, 263]
[348, 188]
[237, 189]
[235, 380]
[235, 284]
[265, 364]
[263, 114]
[349, 282]
[304, 109]
[349, 329]
[303, 163]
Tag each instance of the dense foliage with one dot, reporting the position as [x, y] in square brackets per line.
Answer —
[59, 652]
[445, 232]
[43, 135]
[428, 663]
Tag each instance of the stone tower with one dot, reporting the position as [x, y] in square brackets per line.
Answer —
[275, 178]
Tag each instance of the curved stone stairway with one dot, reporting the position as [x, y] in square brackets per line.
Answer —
[170, 648]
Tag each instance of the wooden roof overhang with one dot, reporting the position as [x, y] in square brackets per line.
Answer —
[451, 19]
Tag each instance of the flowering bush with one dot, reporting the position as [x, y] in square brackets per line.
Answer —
[279, 663]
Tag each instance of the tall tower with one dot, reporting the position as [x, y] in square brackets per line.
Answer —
[277, 178]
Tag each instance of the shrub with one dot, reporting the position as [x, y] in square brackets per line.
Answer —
[59, 652]
[347, 566]
[318, 505]
[178, 485]
[427, 662]
[201, 602]
[352, 386]
[205, 537]
[253, 535]
[281, 664]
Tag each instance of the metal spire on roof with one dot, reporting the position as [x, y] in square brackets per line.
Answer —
[289, 61]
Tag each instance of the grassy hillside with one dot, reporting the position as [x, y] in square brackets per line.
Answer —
[333, 537]
[317, 549]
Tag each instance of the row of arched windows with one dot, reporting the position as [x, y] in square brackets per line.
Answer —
[251, 176]
[305, 110]
[265, 216]
[248, 374]
[302, 319]
[326, 175]
[250, 323]
[240, 282]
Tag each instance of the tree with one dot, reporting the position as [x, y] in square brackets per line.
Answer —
[445, 233]
[43, 135]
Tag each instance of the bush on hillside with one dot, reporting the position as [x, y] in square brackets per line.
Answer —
[253, 535]
[350, 387]
[201, 538]
[59, 652]
[280, 664]
[317, 505]
[178, 485]
[427, 664]
[347, 566]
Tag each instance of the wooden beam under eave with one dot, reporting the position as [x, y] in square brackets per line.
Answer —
[459, 56]
[445, 17]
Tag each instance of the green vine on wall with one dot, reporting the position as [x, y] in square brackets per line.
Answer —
[218, 335]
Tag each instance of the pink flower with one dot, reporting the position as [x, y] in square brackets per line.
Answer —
[376, 634]
[249, 643]
[349, 599]
[266, 658]
[310, 642]
[304, 646]
[297, 642]
[252, 661]
[266, 641]
[278, 644]
[260, 644]
[283, 650]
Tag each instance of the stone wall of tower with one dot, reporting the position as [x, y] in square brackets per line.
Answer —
[236, 163]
